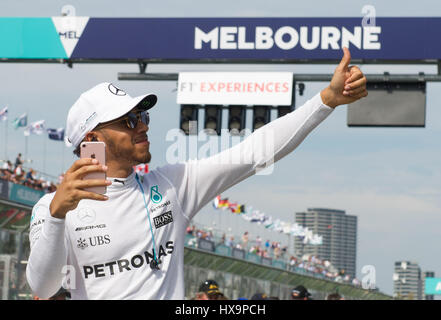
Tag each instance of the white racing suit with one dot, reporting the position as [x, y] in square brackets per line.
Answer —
[104, 248]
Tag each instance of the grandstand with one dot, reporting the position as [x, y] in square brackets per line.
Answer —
[238, 277]
[241, 273]
[269, 254]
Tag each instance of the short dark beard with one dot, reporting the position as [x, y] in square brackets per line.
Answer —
[118, 154]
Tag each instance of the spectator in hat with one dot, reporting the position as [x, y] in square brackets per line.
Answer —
[18, 160]
[259, 296]
[209, 290]
[300, 293]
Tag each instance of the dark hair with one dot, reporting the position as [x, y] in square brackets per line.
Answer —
[300, 293]
[333, 296]
[77, 150]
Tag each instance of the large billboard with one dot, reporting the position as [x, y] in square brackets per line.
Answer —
[218, 39]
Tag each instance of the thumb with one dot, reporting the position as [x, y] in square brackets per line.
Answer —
[344, 63]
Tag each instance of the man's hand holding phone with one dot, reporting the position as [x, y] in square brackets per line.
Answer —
[73, 187]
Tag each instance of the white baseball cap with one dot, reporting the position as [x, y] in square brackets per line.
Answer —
[102, 103]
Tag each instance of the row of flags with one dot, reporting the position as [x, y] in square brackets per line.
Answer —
[255, 216]
[219, 203]
[37, 127]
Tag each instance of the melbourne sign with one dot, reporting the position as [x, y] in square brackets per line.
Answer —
[218, 39]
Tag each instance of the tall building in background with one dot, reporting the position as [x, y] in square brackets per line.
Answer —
[427, 274]
[339, 232]
[408, 282]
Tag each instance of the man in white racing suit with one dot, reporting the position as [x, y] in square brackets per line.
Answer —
[129, 242]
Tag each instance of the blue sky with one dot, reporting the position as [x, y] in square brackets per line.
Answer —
[388, 177]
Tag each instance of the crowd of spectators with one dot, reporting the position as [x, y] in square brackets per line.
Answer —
[16, 173]
[317, 266]
[209, 290]
[272, 249]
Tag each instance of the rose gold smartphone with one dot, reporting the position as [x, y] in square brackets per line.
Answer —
[95, 150]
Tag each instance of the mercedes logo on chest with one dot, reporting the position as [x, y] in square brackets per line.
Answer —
[86, 215]
[116, 91]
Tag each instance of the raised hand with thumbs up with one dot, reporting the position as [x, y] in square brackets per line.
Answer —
[348, 84]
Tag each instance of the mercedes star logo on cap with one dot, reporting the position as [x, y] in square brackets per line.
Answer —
[116, 91]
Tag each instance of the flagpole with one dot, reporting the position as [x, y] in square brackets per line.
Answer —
[6, 139]
[26, 140]
[220, 220]
[62, 157]
[26, 148]
[44, 154]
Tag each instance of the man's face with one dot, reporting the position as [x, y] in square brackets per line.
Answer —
[202, 296]
[125, 145]
[208, 296]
